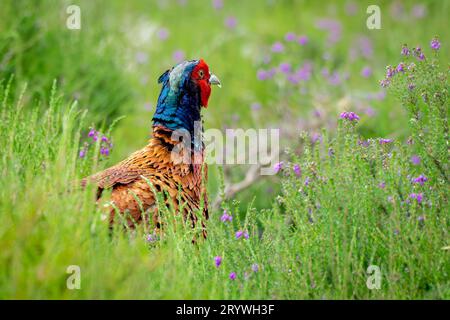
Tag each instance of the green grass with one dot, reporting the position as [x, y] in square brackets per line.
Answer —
[310, 242]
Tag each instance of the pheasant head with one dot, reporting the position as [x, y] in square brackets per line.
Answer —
[185, 89]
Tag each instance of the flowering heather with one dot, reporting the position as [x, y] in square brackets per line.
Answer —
[297, 170]
[163, 34]
[417, 196]
[435, 44]
[384, 141]
[285, 67]
[278, 166]
[307, 180]
[240, 234]
[415, 160]
[303, 40]
[366, 72]
[405, 51]
[217, 4]
[232, 276]
[400, 67]
[277, 47]
[226, 217]
[420, 180]
[217, 261]
[178, 56]
[350, 116]
[290, 36]
[230, 22]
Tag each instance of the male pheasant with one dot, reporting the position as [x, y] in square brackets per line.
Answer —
[172, 162]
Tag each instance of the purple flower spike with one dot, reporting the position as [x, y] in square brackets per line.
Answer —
[420, 180]
[417, 196]
[278, 166]
[277, 47]
[435, 44]
[366, 72]
[405, 51]
[297, 170]
[233, 276]
[290, 36]
[400, 67]
[303, 40]
[255, 267]
[217, 261]
[240, 233]
[226, 217]
[350, 116]
[415, 160]
[385, 141]
[231, 22]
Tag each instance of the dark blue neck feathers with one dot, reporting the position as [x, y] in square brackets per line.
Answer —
[179, 101]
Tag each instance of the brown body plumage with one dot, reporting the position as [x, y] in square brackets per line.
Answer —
[181, 184]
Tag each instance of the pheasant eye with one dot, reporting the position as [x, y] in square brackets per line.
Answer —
[201, 73]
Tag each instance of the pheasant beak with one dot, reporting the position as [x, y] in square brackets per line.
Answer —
[214, 80]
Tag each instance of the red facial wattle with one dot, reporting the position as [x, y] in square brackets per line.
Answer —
[201, 75]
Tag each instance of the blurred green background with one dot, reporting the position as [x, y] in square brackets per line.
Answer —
[319, 59]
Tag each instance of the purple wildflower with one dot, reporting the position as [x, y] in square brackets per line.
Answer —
[297, 170]
[290, 36]
[303, 40]
[385, 141]
[278, 166]
[420, 180]
[415, 160]
[400, 67]
[82, 153]
[366, 72]
[92, 133]
[240, 233]
[405, 51]
[382, 185]
[307, 181]
[384, 83]
[350, 116]
[390, 72]
[163, 34]
[217, 261]
[417, 196]
[217, 4]
[285, 67]
[255, 267]
[262, 75]
[232, 276]
[104, 151]
[178, 56]
[230, 22]
[226, 217]
[435, 44]
[277, 47]
[411, 86]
